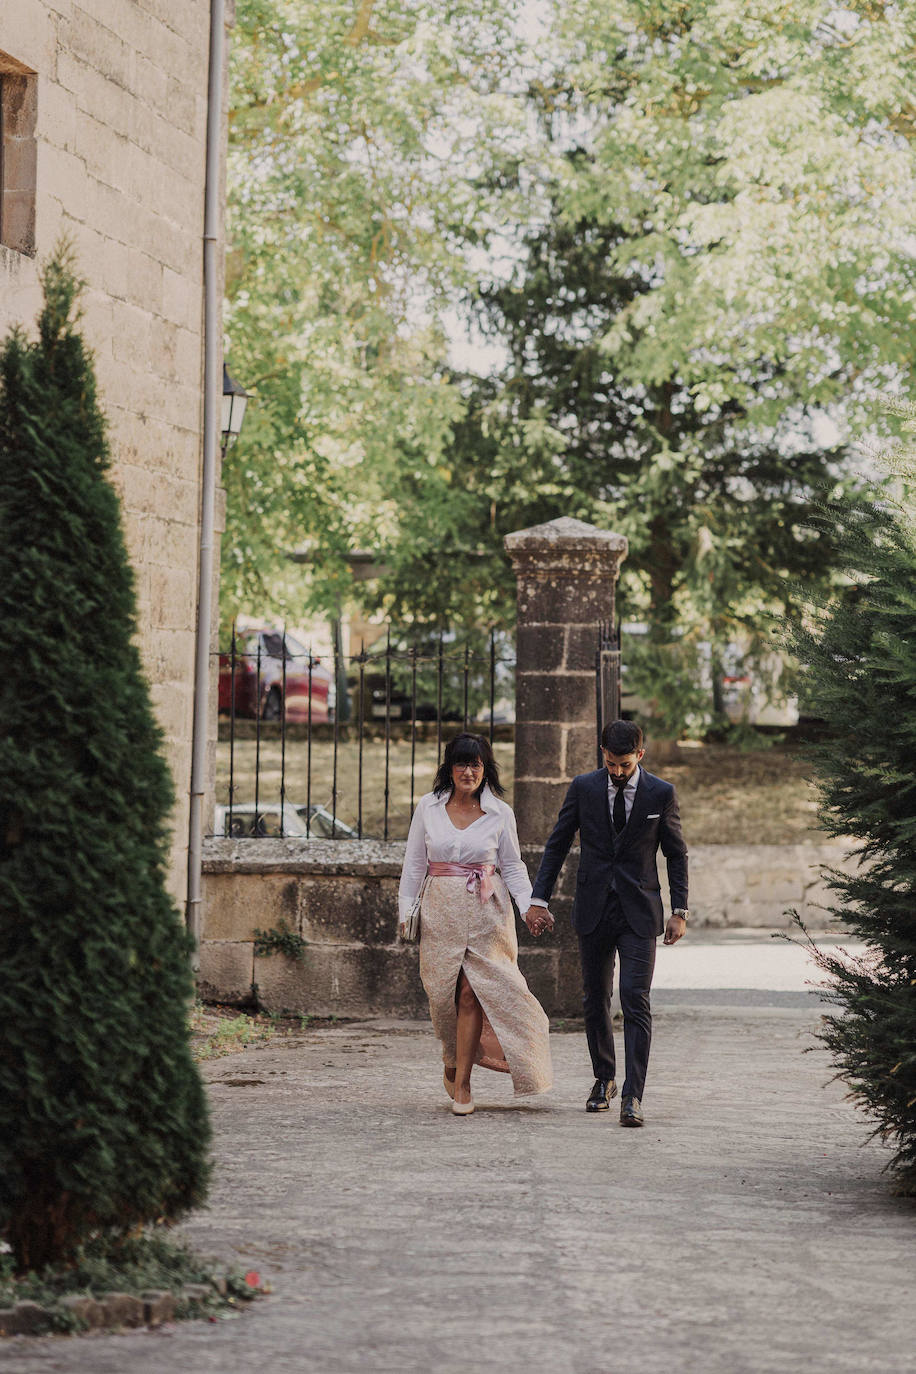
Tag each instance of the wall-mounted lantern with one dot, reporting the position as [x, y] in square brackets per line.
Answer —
[235, 399]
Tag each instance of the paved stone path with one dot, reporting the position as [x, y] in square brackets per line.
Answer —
[746, 1229]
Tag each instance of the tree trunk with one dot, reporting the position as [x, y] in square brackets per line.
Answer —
[45, 1232]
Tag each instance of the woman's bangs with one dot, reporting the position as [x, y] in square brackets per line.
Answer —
[467, 752]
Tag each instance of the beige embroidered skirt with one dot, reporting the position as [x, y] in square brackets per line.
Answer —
[458, 931]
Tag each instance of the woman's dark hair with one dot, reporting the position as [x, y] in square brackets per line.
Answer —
[468, 749]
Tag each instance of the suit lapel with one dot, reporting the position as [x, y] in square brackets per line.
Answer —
[605, 810]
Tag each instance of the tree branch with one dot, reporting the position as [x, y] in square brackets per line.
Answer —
[360, 32]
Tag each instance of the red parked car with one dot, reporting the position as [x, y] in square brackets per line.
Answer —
[261, 693]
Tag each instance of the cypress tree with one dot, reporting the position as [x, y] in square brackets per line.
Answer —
[860, 652]
[103, 1122]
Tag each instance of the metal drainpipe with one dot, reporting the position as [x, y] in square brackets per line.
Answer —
[212, 416]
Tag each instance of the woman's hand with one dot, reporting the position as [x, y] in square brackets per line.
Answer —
[538, 919]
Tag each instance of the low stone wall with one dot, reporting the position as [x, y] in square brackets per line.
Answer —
[341, 898]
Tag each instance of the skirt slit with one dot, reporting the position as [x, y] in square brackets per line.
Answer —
[459, 933]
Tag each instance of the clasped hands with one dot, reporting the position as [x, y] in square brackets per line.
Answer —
[538, 919]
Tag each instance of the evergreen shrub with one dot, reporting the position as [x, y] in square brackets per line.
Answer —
[103, 1122]
[860, 652]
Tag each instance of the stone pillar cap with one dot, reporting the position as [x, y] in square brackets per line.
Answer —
[563, 534]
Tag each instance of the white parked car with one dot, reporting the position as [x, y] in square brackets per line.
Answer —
[269, 821]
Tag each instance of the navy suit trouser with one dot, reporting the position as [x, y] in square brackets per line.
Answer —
[613, 938]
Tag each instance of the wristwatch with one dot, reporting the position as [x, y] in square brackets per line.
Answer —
[682, 912]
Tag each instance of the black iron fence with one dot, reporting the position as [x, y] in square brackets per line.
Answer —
[343, 718]
[339, 747]
[607, 679]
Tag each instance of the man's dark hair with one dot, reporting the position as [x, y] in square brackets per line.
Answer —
[621, 737]
[466, 748]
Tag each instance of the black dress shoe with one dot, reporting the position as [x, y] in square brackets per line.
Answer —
[599, 1099]
[631, 1112]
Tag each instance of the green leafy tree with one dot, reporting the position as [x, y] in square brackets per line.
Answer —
[695, 292]
[354, 131]
[445, 564]
[860, 656]
[758, 158]
[717, 514]
[103, 1122]
[737, 178]
[716, 510]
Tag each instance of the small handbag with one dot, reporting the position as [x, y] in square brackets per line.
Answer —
[410, 928]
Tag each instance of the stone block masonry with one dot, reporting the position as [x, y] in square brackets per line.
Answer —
[119, 122]
[341, 898]
[566, 573]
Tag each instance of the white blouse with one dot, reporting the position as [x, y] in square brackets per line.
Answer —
[491, 839]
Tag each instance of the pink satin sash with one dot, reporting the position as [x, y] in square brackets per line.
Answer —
[479, 873]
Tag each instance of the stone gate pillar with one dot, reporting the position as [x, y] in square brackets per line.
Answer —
[566, 573]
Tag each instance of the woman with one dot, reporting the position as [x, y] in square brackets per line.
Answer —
[480, 1005]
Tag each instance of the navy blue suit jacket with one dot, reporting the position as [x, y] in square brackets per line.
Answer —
[624, 864]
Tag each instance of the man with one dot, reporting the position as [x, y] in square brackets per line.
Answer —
[623, 815]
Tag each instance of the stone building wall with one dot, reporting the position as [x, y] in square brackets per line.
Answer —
[115, 94]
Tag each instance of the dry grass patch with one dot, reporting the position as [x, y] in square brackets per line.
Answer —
[348, 777]
[761, 796]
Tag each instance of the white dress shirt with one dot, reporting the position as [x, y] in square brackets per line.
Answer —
[491, 839]
[629, 796]
[629, 792]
